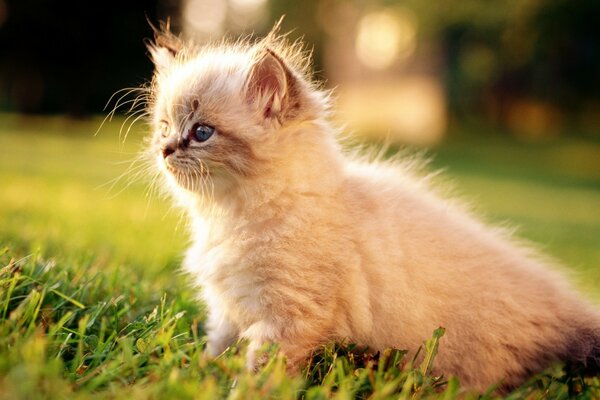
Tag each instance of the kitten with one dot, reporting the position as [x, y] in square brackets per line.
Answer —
[298, 243]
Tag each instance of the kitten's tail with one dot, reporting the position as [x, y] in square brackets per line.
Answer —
[583, 351]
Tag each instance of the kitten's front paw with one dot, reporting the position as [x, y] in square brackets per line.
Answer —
[220, 334]
[260, 334]
[217, 343]
[256, 357]
[214, 349]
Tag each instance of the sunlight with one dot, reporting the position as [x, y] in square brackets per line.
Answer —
[385, 37]
[246, 14]
[205, 17]
[248, 4]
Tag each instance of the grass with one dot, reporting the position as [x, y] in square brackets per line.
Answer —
[91, 305]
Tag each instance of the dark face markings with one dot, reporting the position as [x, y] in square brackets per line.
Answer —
[216, 147]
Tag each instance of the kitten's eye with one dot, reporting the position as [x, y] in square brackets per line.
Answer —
[202, 133]
[163, 127]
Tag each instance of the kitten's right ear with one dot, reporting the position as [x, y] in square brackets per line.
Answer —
[165, 47]
[269, 86]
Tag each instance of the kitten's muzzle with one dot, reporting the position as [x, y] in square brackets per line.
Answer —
[167, 151]
[174, 143]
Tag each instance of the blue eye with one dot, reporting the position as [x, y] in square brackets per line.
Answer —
[202, 133]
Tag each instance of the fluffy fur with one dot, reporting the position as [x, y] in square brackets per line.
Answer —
[298, 243]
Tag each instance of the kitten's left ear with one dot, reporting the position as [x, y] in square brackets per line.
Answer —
[164, 49]
[271, 87]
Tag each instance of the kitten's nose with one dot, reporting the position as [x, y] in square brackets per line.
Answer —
[169, 147]
[168, 150]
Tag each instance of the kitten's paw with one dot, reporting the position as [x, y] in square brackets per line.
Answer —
[256, 357]
[215, 349]
[220, 334]
[260, 334]
[217, 343]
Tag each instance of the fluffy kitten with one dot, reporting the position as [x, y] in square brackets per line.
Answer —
[297, 243]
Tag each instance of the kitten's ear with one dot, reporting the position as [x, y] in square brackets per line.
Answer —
[164, 49]
[270, 86]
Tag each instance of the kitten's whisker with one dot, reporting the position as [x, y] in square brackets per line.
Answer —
[184, 120]
[136, 168]
[180, 220]
[136, 115]
[191, 179]
[198, 169]
[153, 185]
[128, 90]
[207, 180]
[197, 180]
[142, 115]
[124, 153]
[132, 167]
[118, 104]
[137, 101]
[140, 99]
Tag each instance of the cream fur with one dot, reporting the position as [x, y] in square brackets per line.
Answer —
[296, 242]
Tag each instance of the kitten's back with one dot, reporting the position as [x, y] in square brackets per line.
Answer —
[506, 312]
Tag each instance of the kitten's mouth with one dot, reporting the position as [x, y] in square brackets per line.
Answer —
[197, 173]
[188, 176]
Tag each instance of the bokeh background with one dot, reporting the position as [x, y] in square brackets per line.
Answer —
[504, 95]
[529, 66]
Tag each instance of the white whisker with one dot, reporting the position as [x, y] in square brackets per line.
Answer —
[118, 104]
[142, 115]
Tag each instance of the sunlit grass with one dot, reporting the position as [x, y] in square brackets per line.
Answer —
[62, 190]
[92, 305]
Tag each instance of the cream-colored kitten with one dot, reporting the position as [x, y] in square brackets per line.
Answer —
[297, 243]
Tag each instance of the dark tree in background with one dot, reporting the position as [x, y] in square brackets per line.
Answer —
[499, 52]
[71, 56]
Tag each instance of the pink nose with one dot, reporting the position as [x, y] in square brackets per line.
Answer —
[170, 146]
[175, 142]
[167, 151]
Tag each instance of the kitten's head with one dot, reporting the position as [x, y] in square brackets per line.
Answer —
[220, 113]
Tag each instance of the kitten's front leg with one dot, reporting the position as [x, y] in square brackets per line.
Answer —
[296, 348]
[221, 333]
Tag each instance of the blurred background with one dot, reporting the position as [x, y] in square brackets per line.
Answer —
[504, 94]
[531, 67]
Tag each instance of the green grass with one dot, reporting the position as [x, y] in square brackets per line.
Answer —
[92, 305]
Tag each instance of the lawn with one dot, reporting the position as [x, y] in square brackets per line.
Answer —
[92, 304]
